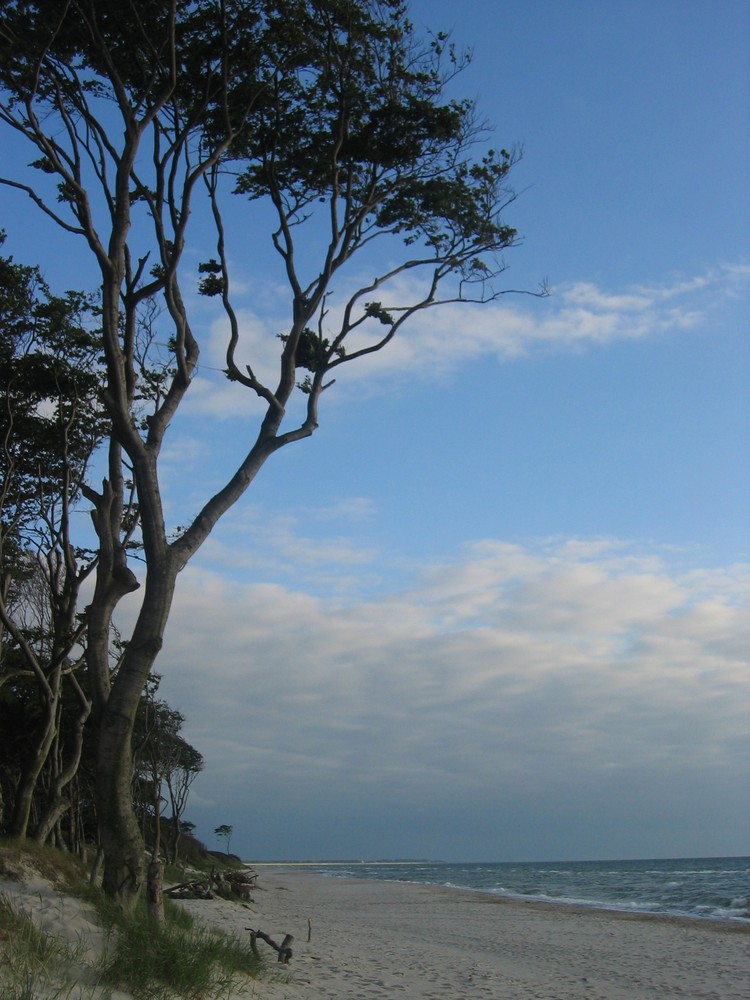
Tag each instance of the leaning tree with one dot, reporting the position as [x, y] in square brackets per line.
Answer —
[336, 116]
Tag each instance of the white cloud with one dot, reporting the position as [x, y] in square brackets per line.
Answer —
[283, 547]
[574, 316]
[434, 343]
[505, 671]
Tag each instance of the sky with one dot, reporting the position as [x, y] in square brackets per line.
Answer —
[497, 607]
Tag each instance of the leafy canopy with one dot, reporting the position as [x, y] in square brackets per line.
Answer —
[52, 418]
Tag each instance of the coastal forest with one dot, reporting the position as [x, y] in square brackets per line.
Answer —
[135, 130]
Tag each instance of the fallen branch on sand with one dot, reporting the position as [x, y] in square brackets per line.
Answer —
[195, 889]
[239, 883]
[284, 949]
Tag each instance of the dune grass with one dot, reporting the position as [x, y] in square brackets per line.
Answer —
[180, 960]
[35, 964]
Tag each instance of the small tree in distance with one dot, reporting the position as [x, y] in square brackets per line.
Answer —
[224, 831]
[335, 116]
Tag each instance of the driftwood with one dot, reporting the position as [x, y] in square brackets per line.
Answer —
[195, 889]
[247, 876]
[239, 882]
[284, 949]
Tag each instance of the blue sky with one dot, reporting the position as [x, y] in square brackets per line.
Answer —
[496, 609]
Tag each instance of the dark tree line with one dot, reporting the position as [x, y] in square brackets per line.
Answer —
[51, 423]
[336, 116]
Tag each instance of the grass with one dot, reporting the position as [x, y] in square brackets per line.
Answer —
[202, 864]
[181, 960]
[65, 871]
[34, 964]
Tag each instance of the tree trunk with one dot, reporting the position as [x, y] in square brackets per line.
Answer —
[97, 866]
[33, 765]
[57, 806]
[124, 861]
[156, 891]
[124, 849]
[50, 820]
[156, 803]
[173, 841]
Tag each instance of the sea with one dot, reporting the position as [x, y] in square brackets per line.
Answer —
[703, 888]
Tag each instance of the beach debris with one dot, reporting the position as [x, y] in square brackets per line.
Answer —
[284, 949]
[194, 889]
[239, 883]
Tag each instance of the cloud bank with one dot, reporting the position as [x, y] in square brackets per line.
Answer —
[575, 699]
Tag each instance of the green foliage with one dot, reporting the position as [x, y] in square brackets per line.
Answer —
[52, 417]
[51, 422]
[225, 831]
[180, 960]
[64, 870]
[313, 351]
[376, 310]
[174, 960]
[213, 283]
[133, 42]
[358, 115]
[165, 765]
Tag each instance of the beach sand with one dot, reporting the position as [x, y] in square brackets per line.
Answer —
[372, 940]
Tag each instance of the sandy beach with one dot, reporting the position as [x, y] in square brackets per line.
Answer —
[364, 940]
[373, 939]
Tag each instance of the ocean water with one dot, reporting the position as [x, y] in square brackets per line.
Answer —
[708, 888]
